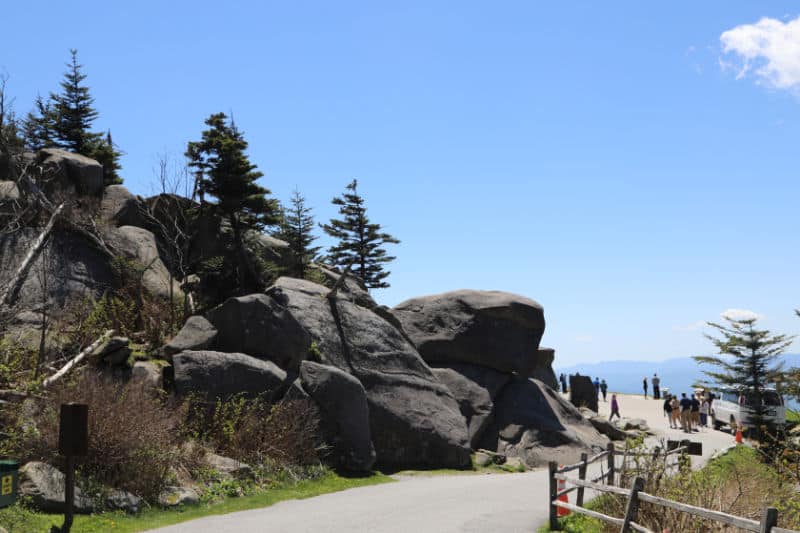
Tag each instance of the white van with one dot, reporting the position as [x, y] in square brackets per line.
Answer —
[731, 407]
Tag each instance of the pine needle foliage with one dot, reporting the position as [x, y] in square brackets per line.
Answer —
[360, 242]
[224, 171]
[748, 360]
[297, 224]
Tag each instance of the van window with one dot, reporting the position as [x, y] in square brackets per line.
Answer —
[730, 397]
[770, 398]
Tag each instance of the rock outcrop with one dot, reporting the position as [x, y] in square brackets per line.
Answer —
[487, 328]
[582, 392]
[70, 170]
[534, 423]
[196, 334]
[342, 401]
[414, 419]
[222, 375]
[44, 485]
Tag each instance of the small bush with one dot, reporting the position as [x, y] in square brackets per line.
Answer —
[133, 434]
[252, 431]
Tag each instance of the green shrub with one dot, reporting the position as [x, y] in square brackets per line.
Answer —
[133, 434]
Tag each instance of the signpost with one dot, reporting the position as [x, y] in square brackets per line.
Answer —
[73, 441]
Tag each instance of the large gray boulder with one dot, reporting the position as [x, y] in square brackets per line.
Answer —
[85, 174]
[121, 207]
[544, 369]
[140, 245]
[582, 392]
[342, 401]
[73, 266]
[44, 485]
[534, 423]
[488, 328]
[258, 326]
[414, 419]
[474, 388]
[222, 375]
[196, 334]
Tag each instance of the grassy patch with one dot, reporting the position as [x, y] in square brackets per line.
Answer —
[792, 416]
[19, 519]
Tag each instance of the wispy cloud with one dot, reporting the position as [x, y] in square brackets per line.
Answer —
[694, 326]
[740, 314]
[769, 50]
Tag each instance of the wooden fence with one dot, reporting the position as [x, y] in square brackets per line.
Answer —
[605, 483]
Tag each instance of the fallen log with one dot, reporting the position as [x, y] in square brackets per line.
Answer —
[77, 359]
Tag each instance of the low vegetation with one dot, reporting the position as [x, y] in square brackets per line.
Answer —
[738, 483]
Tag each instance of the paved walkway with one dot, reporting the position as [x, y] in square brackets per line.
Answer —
[435, 504]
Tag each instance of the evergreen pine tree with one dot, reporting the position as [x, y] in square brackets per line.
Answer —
[360, 242]
[748, 360]
[296, 226]
[39, 126]
[74, 114]
[224, 172]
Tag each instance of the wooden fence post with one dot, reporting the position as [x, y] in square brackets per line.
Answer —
[610, 449]
[582, 477]
[633, 504]
[769, 519]
[553, 466]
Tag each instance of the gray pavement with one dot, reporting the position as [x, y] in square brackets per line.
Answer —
[435, 504]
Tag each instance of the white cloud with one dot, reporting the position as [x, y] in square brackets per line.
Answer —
[694, 326]
[768, 49]
[740, 314]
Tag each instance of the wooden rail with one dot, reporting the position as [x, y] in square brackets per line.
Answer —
[635, 495]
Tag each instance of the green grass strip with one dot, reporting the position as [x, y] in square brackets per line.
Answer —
[17, 519]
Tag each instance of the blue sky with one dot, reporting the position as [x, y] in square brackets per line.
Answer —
[622, 163]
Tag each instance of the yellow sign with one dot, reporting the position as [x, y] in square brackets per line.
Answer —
[7, 485]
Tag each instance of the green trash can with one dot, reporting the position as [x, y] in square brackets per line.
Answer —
[9, 475]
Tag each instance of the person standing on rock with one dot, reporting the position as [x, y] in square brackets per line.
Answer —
[563, 379]
[614, 407]
[656, 381]
[604, 388]
[597, 387]
[644, 385]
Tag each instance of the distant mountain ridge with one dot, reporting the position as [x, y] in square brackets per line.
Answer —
[678, 375]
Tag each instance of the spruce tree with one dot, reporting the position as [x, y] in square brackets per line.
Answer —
[360, 242]
[74, 114]
[39, 126]
[74, 111]
[223, 171]
[748, 360]
[296, 226]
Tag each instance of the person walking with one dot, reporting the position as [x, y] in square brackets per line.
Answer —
[676, 412]
[668, 410]
[603, 388]
[597, 387]
[614, 407]
[644, 385]
[686, 413]
[563, 379]
[656, 381]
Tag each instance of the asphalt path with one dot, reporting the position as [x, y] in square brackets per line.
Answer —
[438, 503]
